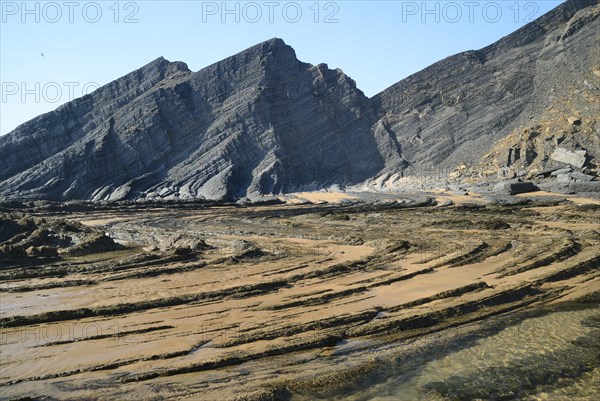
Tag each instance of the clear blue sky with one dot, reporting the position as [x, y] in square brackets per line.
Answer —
[377, 43]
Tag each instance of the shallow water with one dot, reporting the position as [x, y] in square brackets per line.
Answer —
[549, 357]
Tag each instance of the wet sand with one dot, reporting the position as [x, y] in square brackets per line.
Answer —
[330, 197]
[284, 298]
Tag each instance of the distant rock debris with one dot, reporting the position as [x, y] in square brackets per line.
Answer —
[575, 158]
[580, 177]
[514, 188]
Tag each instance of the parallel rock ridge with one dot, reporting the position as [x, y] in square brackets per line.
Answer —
[263, 122]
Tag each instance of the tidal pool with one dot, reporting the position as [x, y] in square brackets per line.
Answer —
[552, 355]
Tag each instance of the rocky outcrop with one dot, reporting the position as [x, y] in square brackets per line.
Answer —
[456, 110]
[259, 122]
[31, 241]
[513, 188]
[263, 122]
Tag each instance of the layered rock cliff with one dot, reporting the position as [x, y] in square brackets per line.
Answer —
[259, 122]
[263, 122]
[457, 110]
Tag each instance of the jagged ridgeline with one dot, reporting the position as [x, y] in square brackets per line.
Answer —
[257, 122]
[263, 122]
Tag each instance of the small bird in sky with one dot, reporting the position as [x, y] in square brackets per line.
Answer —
[42, 54]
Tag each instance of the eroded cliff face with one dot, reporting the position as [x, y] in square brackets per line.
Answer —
[258, 122]
[566, 107]
[455, 111]
[263, 122]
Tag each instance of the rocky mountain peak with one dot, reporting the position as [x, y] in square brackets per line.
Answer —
[258, 122]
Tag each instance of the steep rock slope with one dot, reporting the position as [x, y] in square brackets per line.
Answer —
[456, 110]
[263, 122]
[258, 122]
